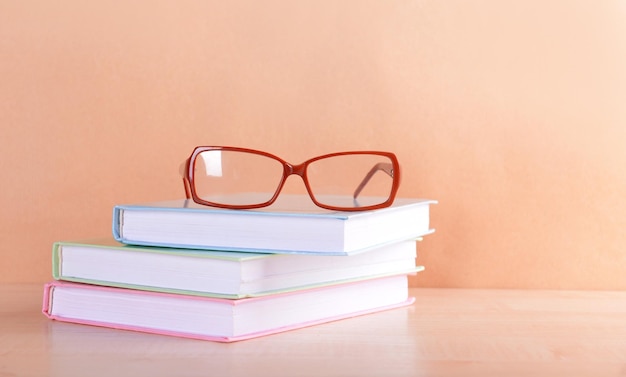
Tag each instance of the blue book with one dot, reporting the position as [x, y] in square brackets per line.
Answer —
[293, 224]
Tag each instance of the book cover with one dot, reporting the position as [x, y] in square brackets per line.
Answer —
[220, 273]
[219, 319]
[291, 225]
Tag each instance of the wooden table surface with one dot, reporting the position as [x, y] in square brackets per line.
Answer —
[447, 332]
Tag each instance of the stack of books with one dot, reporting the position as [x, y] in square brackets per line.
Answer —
[183, 269]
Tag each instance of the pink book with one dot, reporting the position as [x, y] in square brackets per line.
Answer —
[218, 319]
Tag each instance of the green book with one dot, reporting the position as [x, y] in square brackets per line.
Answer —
[225, 274]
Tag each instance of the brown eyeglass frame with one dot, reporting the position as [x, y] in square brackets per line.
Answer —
[392, 169]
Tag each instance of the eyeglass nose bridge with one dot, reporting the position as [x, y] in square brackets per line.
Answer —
[291, 169]
[299, 169]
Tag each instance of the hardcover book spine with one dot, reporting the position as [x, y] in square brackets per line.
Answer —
[117, 223]
[56, 261]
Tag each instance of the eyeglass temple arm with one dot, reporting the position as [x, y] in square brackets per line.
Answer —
[183, 169]
[384, 166]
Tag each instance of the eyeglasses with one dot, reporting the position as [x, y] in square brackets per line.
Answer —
[240, 178]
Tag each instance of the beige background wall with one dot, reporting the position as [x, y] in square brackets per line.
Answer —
[511, 113]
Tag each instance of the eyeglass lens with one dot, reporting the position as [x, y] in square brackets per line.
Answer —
[333, 180]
